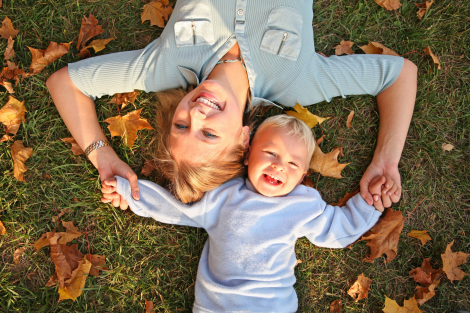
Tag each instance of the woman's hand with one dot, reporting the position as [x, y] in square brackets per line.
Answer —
[375, 169]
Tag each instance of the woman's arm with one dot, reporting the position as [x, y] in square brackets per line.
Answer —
[396, 104]
[79, 115]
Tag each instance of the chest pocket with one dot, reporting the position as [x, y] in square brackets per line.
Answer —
[283, 33]
[193, 25]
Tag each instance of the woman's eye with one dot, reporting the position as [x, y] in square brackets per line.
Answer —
[270, 153]
[180, 126]
[209, 135]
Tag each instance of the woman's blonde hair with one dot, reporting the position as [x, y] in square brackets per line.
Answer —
[188, 182]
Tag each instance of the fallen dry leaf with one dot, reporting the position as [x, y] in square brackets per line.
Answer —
[409, 306]
[320, 140]
[344, 47]
[447, 147]
[148, 168]
[425, 274]
[8, 87]
[149, 307]
[451, 261]
[347, 196]
[10, 72]
[264, 109]
[384, 236]
[124, 98]
[297, 262]
[360, 288]
[305, 115]
[423, 294]
[389, 4]
[421, 235]
[308, 182]
[7, 29]
[157, 12]
[3, 230]
[327, 164]
[76, 150]
[88, 30]
[62, 212]
[17, 254]
[9, 52]
[42, 58]
[73, 289]
[99, 44]
[435, 59]
[349, 121]
[335, 306]
[423, 8]
[11, 115]
[377, 48]
[71, 232]
[84, 53]
[20, 154]
[97, 264]
[127, 126]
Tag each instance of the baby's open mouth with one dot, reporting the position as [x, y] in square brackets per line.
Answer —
[209, 102]
[271, 179]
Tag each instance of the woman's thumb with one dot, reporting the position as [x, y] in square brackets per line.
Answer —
[134, 187]
[365, 194]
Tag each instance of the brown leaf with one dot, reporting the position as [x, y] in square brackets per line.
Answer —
[447, 147]
[41, 58]
[360, 288]
[378, 48]
[17, 254]
[335, 306]
[344, 47]
[9, 52]
[149, 307]
[264, 109]
[421, 235]
[320, 140]
[3, 230]
[84, 53]
[308, 182]
[99, 44]
[423, 294]
[127, 126]
[349, 121]
[423, 8]
[8, 87]
[157, 12]
[7, 29]
[384, 236]
[11, 72]
[149, 167]
[97, 264]
[125, 98]
[88, 29]
[73, 289]
[76, 150]
[12, 114]
[425, 274]
[435, 59]
[305, 115]
[347, 196]
[62, 212]
[389, 4]
[70, 234]
[20, 154]
[451, 261]
[409, 306]
[327, 164]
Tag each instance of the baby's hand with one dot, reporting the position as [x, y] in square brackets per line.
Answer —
[108, 188]
[375, 188]
[384, 192]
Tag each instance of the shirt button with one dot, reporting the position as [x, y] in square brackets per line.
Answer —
[240, 12]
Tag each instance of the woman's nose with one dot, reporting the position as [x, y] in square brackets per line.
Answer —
[197, 112]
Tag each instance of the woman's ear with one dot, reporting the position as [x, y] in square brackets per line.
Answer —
[247, 156]
[246, 136]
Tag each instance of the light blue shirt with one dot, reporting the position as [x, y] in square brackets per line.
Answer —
[276, 43]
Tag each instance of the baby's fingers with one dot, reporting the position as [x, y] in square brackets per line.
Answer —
[387, 202]
[378, 203]
[124, 205]
[113, 198]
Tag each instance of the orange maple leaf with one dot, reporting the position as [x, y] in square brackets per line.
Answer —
[125, 98]
[349, 121]
[360, 288]
[425, 274]
[76, 150]
[409, 306]
[327, 164]
[423, 8]
[99, 44]
[421, 235]
[10, 72]
[3, 230]
[423, 294]
[42, 58]
[97, 263]
[335, 306]
[451, 261]
[344, 47]
[306, 116]
[384, 236]
[157, 12]
[435, 59]
[11, 115]
[127, 126]
[88, 29]
[71, 232]
[73, 289]
[7, 29]
[389, 4]
[9, 52]
[377, 48]
[149, 167]
[20, 154]
[17, 255]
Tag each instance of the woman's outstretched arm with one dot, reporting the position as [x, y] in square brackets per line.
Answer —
[396, 104]
[79, 115]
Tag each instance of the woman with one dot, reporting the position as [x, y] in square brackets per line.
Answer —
[233, 50]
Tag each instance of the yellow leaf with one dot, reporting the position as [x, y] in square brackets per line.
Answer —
[99, 44]
[3, 230]
[327, 164]
[12, 114]
[127, 126]
[20, 154]
[73, 289]
[360, 288]
[157, 12]
[7, 29]
[421, 235]
[378, 48]
[409, 306]
[451, 261]
[305, 115]
[344, 47]
[389, 4]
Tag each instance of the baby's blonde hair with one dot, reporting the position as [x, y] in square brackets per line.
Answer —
[294, 127]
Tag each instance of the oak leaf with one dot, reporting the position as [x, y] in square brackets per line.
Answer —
[425, 274]
[7, 29]
[447, 147]
[423, 8]
[384, 236]
[125, 98]
[409, 306]
[20, 154]
[42, 58]
[17, 254]
[423, 294]
[97, 263]
[349, 121]
[377, 48]
[421, 235]
[88, 29]
[76, 150]
[389, 4]
[327, 164]
[435, 59]
[344, 47]
[347, 196]
[157, 12]
[99, 44]
[11, 115]
[306, 116]
[73, 289]
[9, 52]
[360, 288]
[127, 126]
[3, 230]
[335, 306]
[451, 261]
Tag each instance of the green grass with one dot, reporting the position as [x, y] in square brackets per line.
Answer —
[153, 261]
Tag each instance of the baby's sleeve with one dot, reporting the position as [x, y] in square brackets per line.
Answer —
[337, 227]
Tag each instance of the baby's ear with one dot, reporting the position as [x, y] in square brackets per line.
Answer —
[302, 178]
[246, 136]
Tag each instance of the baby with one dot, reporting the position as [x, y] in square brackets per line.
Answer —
[247, 263]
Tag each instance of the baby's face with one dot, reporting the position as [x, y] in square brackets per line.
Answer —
[276, 162]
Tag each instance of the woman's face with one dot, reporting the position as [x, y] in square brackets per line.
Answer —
[207, 121]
